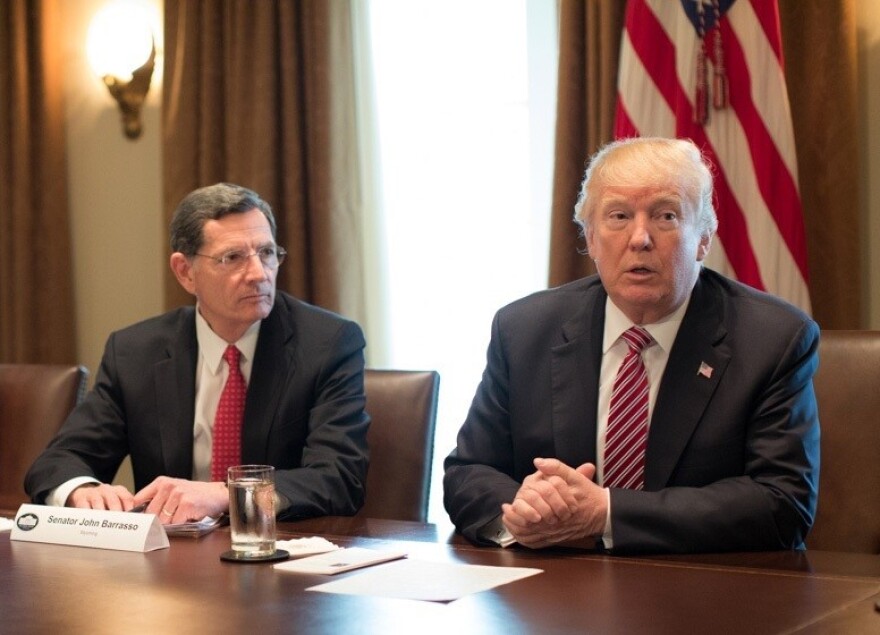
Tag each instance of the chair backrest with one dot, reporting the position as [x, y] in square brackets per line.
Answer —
[848, 393]
[403, 407]
[35, 399]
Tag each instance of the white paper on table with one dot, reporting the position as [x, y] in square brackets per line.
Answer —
[340, 560]
[421, 580]
[6, 524]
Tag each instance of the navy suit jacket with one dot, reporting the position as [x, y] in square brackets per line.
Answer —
[732, 461]
[304, 411]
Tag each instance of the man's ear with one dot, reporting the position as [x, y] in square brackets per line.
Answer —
[704, 246]
[182, 268]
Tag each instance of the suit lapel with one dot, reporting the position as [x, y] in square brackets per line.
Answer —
[574, 368]
[697, 362]
[174, 381]
[273, 362]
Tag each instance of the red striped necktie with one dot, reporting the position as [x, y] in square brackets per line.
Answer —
[226, 439]
[627, 432]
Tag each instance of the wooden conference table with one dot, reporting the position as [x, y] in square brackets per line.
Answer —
[187, 589]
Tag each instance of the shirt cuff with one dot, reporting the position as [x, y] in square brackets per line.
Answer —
[58, 496]
[607, 537]
[495, 531]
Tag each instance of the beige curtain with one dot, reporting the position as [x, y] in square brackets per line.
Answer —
[819, 40]
[262, 94]
[36, 290]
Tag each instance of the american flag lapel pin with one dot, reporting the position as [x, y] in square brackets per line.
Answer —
[705, 370]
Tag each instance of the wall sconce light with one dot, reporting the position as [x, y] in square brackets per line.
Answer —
[122, 52]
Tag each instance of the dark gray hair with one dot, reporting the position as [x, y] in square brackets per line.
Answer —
[212, 203]
[613, 163]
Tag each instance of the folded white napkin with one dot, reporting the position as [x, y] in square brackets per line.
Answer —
[297, 547]
[6, 524]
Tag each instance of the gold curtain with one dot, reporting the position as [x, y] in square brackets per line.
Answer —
[262, 94]
[819, 44]
[819, 41]
[36, 290]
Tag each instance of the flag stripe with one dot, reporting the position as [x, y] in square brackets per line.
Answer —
[656, 52]
[733, 230]
[760, 239]
[768, 90]
[777, 186]
[767, 16]
[651, 107]
[624, 127]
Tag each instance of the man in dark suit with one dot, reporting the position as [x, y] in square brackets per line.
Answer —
[160, 382]
[729, 459]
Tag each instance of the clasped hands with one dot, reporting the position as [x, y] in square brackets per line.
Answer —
[556, 504]
[173, 500]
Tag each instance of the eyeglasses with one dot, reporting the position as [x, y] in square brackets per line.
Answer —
[236, 260]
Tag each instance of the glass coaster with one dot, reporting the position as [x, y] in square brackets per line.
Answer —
[241, 556]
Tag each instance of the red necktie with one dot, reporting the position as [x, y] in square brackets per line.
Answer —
[627, 433]
[226, 443]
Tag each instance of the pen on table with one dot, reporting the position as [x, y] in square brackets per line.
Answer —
[140, 508]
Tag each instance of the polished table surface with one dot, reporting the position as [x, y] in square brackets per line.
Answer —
[187, 589]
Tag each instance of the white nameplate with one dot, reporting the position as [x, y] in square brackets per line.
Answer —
[100, 529]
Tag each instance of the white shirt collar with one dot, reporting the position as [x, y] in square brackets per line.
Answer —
[663, 332]
[212, 346]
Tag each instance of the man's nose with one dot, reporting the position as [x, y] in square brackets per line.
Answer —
[640, 237]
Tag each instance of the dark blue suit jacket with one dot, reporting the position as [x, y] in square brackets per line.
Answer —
[732, 460]
[304, 412]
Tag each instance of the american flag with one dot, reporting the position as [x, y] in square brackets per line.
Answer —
[712, 71]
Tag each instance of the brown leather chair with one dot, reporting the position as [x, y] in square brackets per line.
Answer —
[403, 407]
[848, 393]
[35, 399]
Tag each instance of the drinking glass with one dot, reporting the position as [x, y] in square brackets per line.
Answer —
[252, 510]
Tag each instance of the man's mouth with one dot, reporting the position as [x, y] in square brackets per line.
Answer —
[256, 296]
